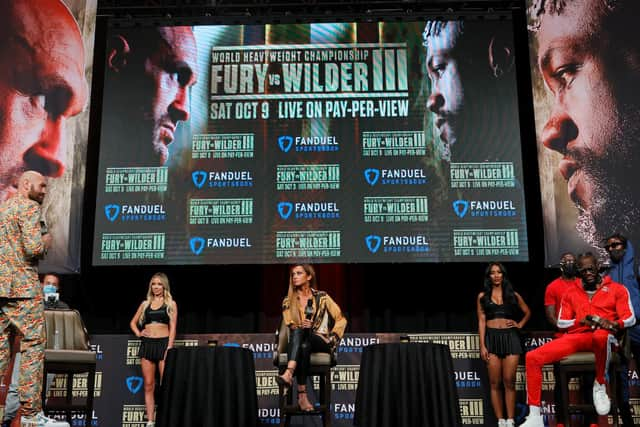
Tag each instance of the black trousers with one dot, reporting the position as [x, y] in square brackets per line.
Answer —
[303, 342]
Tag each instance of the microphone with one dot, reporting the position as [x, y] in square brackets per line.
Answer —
[308, 310]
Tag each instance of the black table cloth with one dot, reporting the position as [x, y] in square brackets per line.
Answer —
[208, 387]
[407, 385]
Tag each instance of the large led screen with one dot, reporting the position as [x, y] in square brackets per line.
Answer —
[46, 59]
[585, 75]
[331, 142]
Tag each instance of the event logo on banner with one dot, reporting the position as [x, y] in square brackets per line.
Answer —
[58, 387]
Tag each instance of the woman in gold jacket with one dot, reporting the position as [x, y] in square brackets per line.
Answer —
[316, 325]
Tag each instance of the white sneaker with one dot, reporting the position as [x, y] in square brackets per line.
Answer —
[510, 423]
[40, 420]
[502, 422]
[600, 399]
[533, 421]
[151, 424]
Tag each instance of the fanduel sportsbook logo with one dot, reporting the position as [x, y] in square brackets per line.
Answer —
[135, 213]
[372, 176]
[222, 179]
[197, 245]
[460, 207]
[402, 176]
[309, 210]
[285, 209]
[285, 143]
[484, 208]
[397, 244]
[134, 384]
[373, 243]
[308, 143]
[112, 212]
[199, 178]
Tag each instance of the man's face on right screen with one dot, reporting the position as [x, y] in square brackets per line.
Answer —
[594, 121]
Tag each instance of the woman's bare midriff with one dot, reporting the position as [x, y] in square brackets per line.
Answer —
[500, 323]
[157, 330]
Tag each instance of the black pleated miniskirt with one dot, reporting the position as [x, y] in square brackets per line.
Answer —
[153, 349]
[503, 342]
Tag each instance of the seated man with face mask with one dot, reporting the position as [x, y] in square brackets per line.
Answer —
[623, 269]
[593, 298]
[50, 288]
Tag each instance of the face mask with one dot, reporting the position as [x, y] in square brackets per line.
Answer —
[616, 255]
[49, 289]
[569, 269]
[591, 285]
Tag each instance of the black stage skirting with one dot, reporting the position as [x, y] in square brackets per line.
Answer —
[407, 385]
[208, 386]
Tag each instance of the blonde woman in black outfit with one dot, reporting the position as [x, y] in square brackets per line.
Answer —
[155, 324]
[500, 346]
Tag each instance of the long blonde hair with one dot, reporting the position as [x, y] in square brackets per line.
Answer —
[293, 301]
[166, 294]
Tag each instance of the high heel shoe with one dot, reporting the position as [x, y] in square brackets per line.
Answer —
[309, 408]
[281, 380]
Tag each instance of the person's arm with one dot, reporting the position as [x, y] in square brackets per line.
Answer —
[482, 327]
[134, 322]
[550, 305]
[339, 321]
[173, 323]
[525, 310]
[550, 314]
[624, 309]
[567, 314]
[29, 222]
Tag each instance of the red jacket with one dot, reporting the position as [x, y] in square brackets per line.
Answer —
[611, 301]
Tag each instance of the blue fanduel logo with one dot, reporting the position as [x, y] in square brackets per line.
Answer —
[199, 178]
[134, 384]
[285, 143]
[112, 212]
[460, 207]
[197, 245]
[285, 209]
[371, 176]
[373, 243]
[484, 208]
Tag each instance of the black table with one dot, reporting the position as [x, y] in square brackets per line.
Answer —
[208, 386]
[407, 385]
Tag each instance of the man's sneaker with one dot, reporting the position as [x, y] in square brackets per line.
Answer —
[533, 421]
[40, 420]
[510, 423]
[600, 399]
[502, 422]
[151, 424]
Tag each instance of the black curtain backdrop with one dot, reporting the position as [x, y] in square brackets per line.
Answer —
[247, 298]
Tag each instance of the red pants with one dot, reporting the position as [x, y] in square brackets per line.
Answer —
[596, 341]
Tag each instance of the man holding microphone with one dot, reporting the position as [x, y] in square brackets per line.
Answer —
[24, 240]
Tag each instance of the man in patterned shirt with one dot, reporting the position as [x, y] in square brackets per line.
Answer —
[23, 242]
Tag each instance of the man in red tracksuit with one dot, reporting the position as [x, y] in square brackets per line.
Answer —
[594, 296]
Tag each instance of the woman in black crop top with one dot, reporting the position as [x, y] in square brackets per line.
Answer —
[155, 324]
[499, 308]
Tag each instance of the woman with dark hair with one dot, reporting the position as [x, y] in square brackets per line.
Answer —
[500, 346]
[155, 324]
[316, 325]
